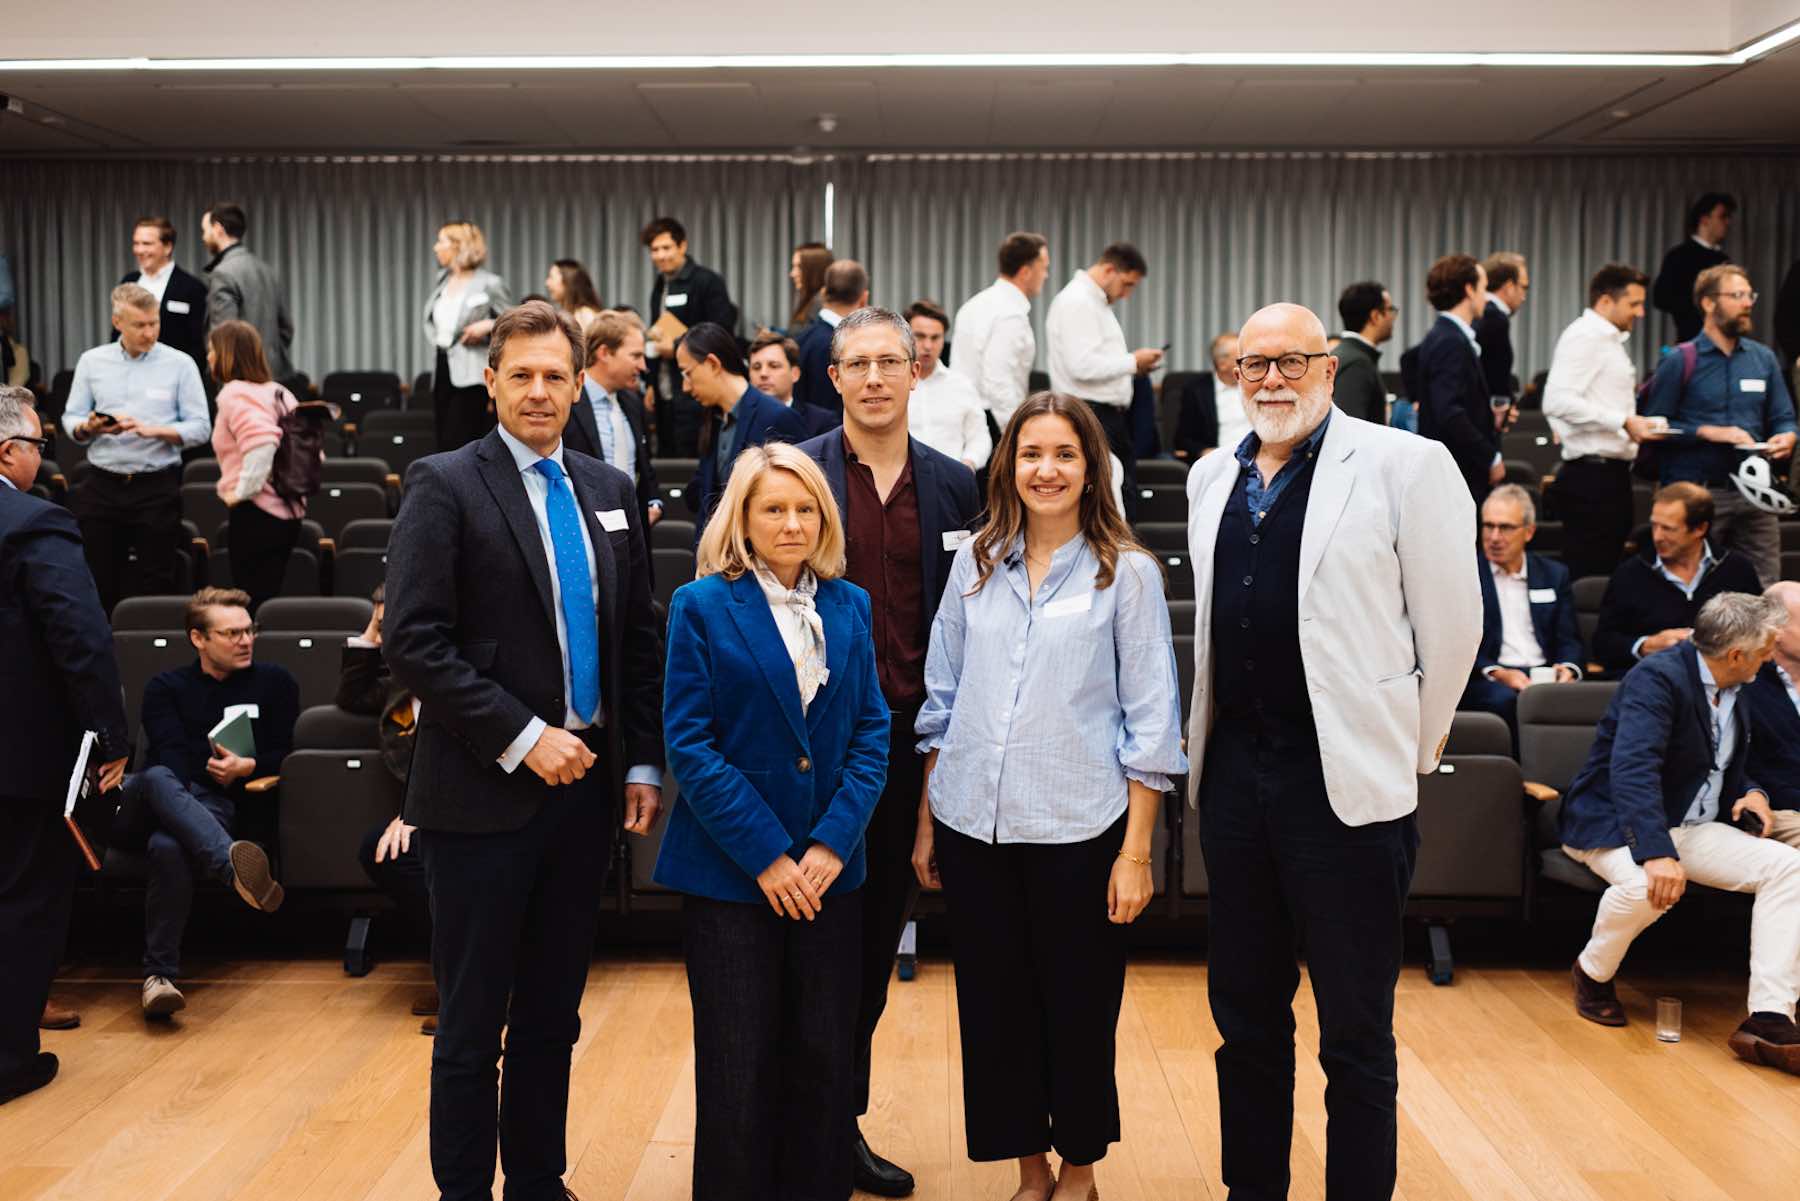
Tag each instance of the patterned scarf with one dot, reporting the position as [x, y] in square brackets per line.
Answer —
[810, 672]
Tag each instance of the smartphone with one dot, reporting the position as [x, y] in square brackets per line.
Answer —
[105, 418]
[1165, 347]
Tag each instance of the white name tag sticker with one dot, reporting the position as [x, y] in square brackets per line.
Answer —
[1542, 596]
[159, 393]
[955, 538]
[1753, 385]
[673, 299]
[612, 520]
[1068, 606]
[231, 711]
[478, 298]
[180, 306]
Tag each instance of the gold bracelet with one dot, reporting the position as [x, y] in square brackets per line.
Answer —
[1134, 859]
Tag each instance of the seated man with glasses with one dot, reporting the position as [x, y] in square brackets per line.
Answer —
[1529, 634]
[181, 809]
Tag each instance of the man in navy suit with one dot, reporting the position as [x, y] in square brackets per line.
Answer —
[1665, 798]
[906, 508]
[714, 372]
[1508, 280]
[1772, 701]
[1528, 620]
[519, 614]
[57, 679]
[607, 419]
[1443, 374]
[846, 290]
[775, 371]
[181, 296]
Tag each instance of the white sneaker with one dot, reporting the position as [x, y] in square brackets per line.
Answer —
[161, 997]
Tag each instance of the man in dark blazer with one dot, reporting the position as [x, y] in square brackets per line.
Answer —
[519, 613]
[615, 360]
[1665, 798]
[1708, 222]
[182, 297]
[1508, 280]
[846, 290]
[1444, 376]
[1528, 610]
[906, 508]
[775, 371]
[57, 680]
[692, 294]
[1368, 312]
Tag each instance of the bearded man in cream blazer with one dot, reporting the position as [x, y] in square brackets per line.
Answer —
[1338, 619]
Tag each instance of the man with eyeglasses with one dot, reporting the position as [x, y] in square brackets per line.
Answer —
[181, 809]
[1338, 619]
[906, 508]
[60, 680]
[1723, 399]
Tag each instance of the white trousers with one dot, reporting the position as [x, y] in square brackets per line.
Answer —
[1720, 856]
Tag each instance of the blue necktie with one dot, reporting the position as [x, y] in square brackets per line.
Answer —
[577, 591]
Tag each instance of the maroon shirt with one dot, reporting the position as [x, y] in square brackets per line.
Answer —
[884, 560]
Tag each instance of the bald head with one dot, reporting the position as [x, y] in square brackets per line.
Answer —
[1284, 406]
[1279, 328]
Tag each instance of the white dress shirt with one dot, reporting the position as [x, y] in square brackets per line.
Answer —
[1519, 645]
[1592, 389]
[1234, 423]
[444, 312]
[945, 413]
[994, 347]
[157, 284]
[1087, 351]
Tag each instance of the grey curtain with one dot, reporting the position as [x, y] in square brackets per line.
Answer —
[352, 239]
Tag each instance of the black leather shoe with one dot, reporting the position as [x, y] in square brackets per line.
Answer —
[42, 1070]
[876, 1175]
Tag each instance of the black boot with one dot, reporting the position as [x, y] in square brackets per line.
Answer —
[876, 1175]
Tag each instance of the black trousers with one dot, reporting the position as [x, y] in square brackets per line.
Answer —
[1285, 872]
[891, 888]
[513, 922]
[678, 420]
[38, 864]
[119, 514]
[1116, 421]
[774, 1013]
[260, 545]
[462, 415]
[402, 879]
[1040, 973]
[1592, 496]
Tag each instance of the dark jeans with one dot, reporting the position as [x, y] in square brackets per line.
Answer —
[461, 413]
[513, 921]
[891, 887]
[1284, 871]
[1592, 498]
[401, 879]
[1116, 421]
[119, 514]
[259, 547]
[38, 865]
[185, 832]
[1040, 973]
[774, 1014]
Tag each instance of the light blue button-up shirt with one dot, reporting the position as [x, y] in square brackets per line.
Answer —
[617, 446]
[159, 387]
[1721, 705]
[1041, 708]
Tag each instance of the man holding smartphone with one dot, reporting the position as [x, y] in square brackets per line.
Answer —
[139, 403]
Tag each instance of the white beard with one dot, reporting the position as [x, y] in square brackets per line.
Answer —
[1282, 425]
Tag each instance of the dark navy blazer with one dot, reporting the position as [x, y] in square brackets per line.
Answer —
[759, 777]
[759, 418]
[1553, 621]
[1774, 737]
[1451, 394]
[1652, 753]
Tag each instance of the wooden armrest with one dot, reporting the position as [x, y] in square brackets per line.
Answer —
[202, 545]
[1541, 793]
[349, 428]
[1594, 669]
[262, 784]
[393, 480]
[328, 546]
[59, 482]
[1548, 480]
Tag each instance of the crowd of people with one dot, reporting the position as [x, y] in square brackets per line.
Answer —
[924, 648]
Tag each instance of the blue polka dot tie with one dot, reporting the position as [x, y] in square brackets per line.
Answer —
[577, 591]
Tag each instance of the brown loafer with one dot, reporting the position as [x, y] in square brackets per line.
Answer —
[429, 1026]
[1595, 1001]
[1769, 1039]
[425, 1004]
[58, 1016]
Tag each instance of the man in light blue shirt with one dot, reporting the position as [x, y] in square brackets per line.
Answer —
[137, 404]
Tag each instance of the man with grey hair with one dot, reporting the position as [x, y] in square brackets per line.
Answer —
[140, 403]
[906, 508]
[1529, 632]
[61, 680]
[1337, 622]
[1772, 701]
[1665, 798]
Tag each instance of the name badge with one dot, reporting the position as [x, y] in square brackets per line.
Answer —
[1753, 385]
[673, 299]
[1068, 606]
[612, 520]
[179, 306]
[250, 711]
[159, 393]
[1542, 596]
[477, 298]
[955, 538]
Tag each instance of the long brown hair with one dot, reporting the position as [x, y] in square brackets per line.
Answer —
[1102, 525]
[238, 353]
[814, 258]
[578, 286]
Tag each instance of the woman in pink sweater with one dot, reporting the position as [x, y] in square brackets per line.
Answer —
[263, 527]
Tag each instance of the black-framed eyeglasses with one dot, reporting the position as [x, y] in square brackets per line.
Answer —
[43, 444]
[1292, 365]
[237, 634]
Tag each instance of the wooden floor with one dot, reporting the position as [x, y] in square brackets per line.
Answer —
[288, 1080]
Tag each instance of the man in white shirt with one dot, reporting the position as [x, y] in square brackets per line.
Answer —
[1087, 351]
[180, 297]
[945, 412]
[992, 335]
[1590, 398]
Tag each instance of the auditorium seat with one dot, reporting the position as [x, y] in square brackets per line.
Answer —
[343, 614]
[365, 533]
[314, 657]
[200, 471]
[672, 533]
[1536, 448]
[161, 613]
[1180, 575]
[1556, 731]
[1162, 535]
[676, 469]
[1790, 535]
[1549, 538]
[354, 469]
[1181, 617]
[670, 489]
[356, 571]
[1589, 591]
[336, 505]
[357, 393]
[329, 728]
[398, 436]
[1162, 502]
[673, 568]
[1162, 472]
[419, 397]
[302, 578]
[334, 789]
[1472, 841]
[1790, 565]
[1169, 395]
[200, 504]
[1474, 733]
[142, 654]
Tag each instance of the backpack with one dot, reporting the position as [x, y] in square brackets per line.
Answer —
[295, 473]
[1645, 466]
